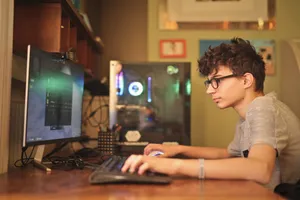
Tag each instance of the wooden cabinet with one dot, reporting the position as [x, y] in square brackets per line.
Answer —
[54, 26]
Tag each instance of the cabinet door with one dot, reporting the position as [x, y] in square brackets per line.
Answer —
[38, 25]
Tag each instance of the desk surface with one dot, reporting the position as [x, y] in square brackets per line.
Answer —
[36, 184]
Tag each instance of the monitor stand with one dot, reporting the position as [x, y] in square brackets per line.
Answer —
[38, 158]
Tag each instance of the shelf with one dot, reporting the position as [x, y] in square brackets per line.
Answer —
[55, 26]
[81, 26]
[68, 10]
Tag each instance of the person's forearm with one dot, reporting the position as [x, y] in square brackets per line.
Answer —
[233, 168]
[204, 152]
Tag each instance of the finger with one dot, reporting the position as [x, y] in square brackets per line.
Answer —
[128, 163]
[135, 163]
[148, 149]
[144, 167]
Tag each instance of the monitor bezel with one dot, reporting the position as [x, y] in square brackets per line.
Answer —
[25, 143]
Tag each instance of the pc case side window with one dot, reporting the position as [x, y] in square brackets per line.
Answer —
[153, 99]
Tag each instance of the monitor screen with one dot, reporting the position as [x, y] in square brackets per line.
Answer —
[53, 98]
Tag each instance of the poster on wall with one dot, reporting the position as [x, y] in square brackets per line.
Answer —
[266, 48]
[172, 48]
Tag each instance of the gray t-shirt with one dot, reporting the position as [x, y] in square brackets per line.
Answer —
[270, 121]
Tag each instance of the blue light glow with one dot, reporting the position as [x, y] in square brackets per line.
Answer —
[149, 89]
[120, 84]
[135, 88]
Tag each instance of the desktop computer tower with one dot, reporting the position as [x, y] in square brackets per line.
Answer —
[150, 101]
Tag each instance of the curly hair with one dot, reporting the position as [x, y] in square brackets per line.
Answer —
[239, 55]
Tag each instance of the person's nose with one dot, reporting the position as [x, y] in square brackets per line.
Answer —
[210, 89]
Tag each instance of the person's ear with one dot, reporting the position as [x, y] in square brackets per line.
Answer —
[248, 80]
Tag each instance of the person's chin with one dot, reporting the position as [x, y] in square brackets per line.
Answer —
[221, 105]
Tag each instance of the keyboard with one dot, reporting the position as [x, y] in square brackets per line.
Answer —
[110, 172]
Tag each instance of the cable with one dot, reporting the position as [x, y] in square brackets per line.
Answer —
[105, 121]
[66, 163]
[56, 149]
[94, 112]
[24, 161]
[92, 116]
[87, 108]
[87, 117]
[101, 120]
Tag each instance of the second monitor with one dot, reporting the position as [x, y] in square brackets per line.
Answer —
[53, 101]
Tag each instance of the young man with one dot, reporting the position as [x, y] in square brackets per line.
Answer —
[266, 145]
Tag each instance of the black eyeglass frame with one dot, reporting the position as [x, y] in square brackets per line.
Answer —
[216, 81]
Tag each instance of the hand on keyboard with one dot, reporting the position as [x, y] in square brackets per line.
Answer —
[141, 164]
[110, 172]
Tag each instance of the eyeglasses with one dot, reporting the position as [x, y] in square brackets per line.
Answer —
[216, 81]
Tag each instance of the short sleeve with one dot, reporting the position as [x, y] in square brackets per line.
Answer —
[233, 148]
[265, 127]
[262, 125]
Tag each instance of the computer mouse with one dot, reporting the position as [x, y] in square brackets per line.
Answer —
[155, 153]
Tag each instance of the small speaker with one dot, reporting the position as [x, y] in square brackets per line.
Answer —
[107, 142]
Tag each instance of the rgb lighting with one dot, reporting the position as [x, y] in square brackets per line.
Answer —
[135, 88]
[149, 89]
[177, 87]
[172, 69]
[188, 87]
[120, 84]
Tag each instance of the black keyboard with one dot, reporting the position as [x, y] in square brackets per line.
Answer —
[110, 172]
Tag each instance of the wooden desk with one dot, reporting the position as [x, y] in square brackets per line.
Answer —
[35, 184]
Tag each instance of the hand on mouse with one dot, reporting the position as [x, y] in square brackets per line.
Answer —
[167, 150]
[155, 153]
[140, 164]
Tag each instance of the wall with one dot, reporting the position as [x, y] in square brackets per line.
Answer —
[211, 126]
[122, 26]
[6, 32]
[290, 80]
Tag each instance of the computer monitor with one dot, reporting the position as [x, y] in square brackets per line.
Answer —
[53, 100]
